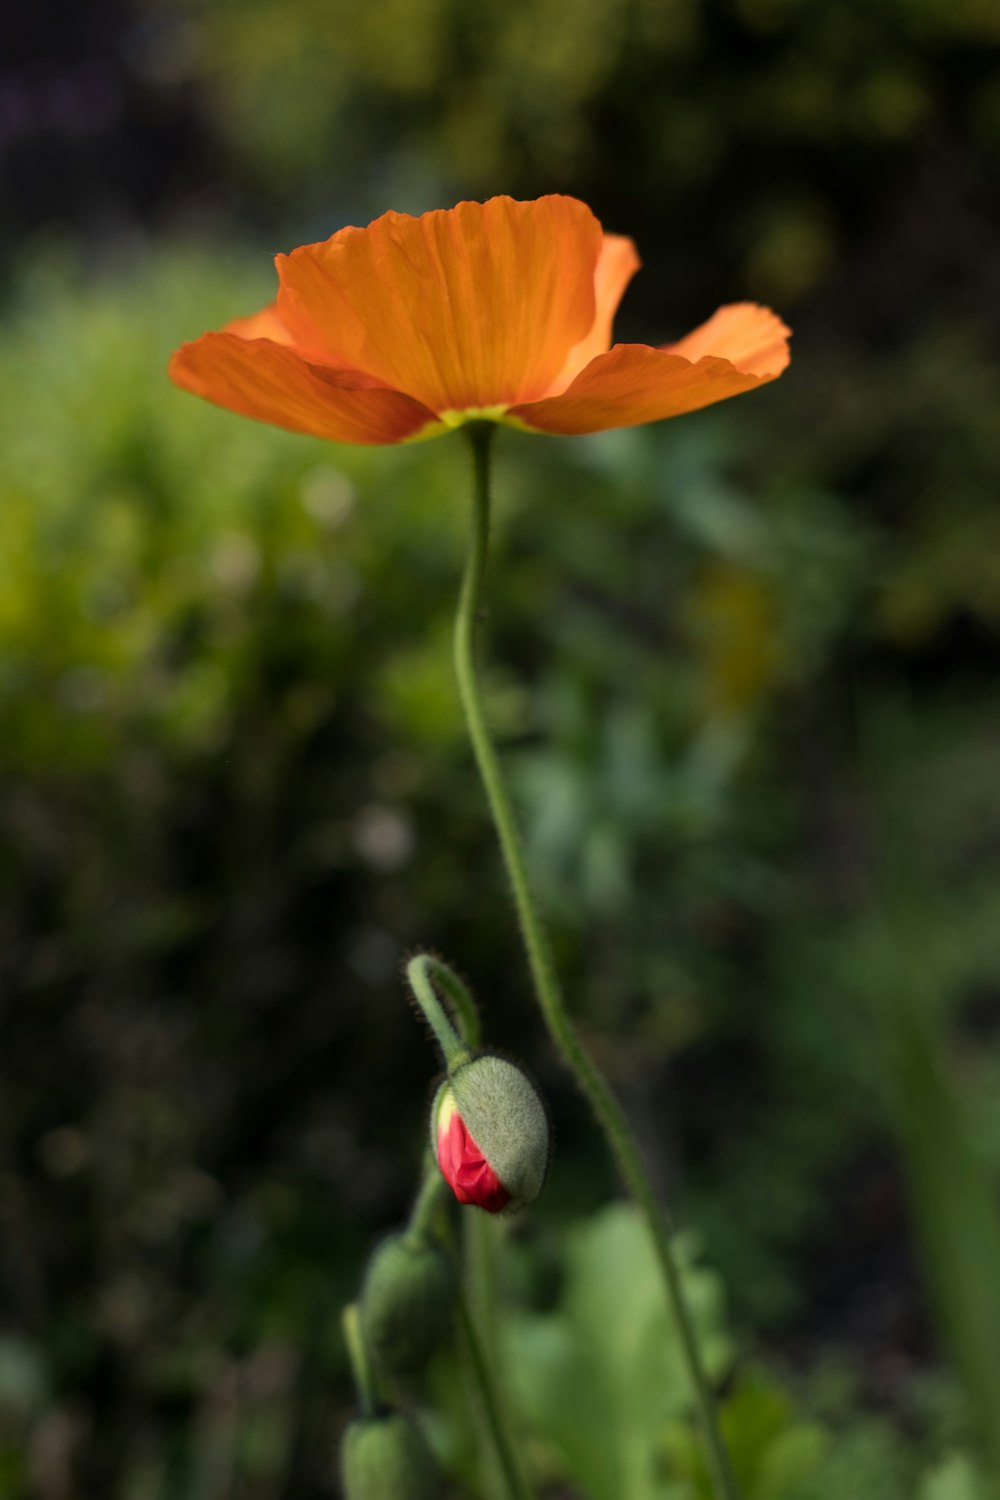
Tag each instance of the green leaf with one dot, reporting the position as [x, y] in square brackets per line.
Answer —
[600, 1377]
[772, 1452]
[955, 1479]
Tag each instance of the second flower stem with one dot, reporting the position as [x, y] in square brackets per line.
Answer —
[591, 1081]
[493, 1407]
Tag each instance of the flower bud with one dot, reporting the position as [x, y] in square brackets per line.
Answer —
[490, 1134]
[407, 1302]
[387, 1458]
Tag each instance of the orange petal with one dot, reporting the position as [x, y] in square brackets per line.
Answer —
[616, 265]
[266, 324]
[751, 337]
[262, 379]
[270, 324]
[475, 306]
[738, 349]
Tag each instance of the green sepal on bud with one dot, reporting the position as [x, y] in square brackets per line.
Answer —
[407, 1301]
[490, 1133]
[386, 1457]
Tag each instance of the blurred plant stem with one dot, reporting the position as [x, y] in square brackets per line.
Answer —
[609, 1113]
[493, 1406]
[484, 1352]
[360, 1365]
[951, 1191]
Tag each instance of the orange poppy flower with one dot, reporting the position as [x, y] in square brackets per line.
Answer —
[499, 310]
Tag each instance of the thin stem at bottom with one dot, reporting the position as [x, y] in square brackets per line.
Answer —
[605, 1106]
[514, 1478]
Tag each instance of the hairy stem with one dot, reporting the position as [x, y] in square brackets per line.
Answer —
[426, 974]
[423, 973]
[418, 974]
[605, 1106]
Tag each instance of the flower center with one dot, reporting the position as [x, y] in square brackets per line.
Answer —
[472, 414]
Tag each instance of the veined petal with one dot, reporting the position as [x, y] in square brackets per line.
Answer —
[616, 265]
[274, 383]
[266, 324]
[475, 306]
[738, 349]
[751, 337]
[281, 327]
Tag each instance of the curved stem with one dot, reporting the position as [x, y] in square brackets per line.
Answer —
[462, 1003]
[479, 1320]
[452, 1045]
[423, 971]
[603, 1102]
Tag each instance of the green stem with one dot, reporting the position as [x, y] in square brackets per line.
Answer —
[603, 1102]
[423, 972]
[462, 1003]
[418, 975]
[358, 1355]
[431, 1197]
[515, 1480]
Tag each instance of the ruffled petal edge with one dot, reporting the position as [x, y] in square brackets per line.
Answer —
[739, 348]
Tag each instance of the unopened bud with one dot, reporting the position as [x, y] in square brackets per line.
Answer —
[408, 1301]
[387, 1458]
[490, 1134]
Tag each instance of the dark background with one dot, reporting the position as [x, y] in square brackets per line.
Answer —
[743, 668]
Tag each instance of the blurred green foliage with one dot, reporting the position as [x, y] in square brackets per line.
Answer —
[839, 159]
[743, 669]
[599, 1377]
[236, 790]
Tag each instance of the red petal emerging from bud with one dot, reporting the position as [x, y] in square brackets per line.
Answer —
[464, 1167]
